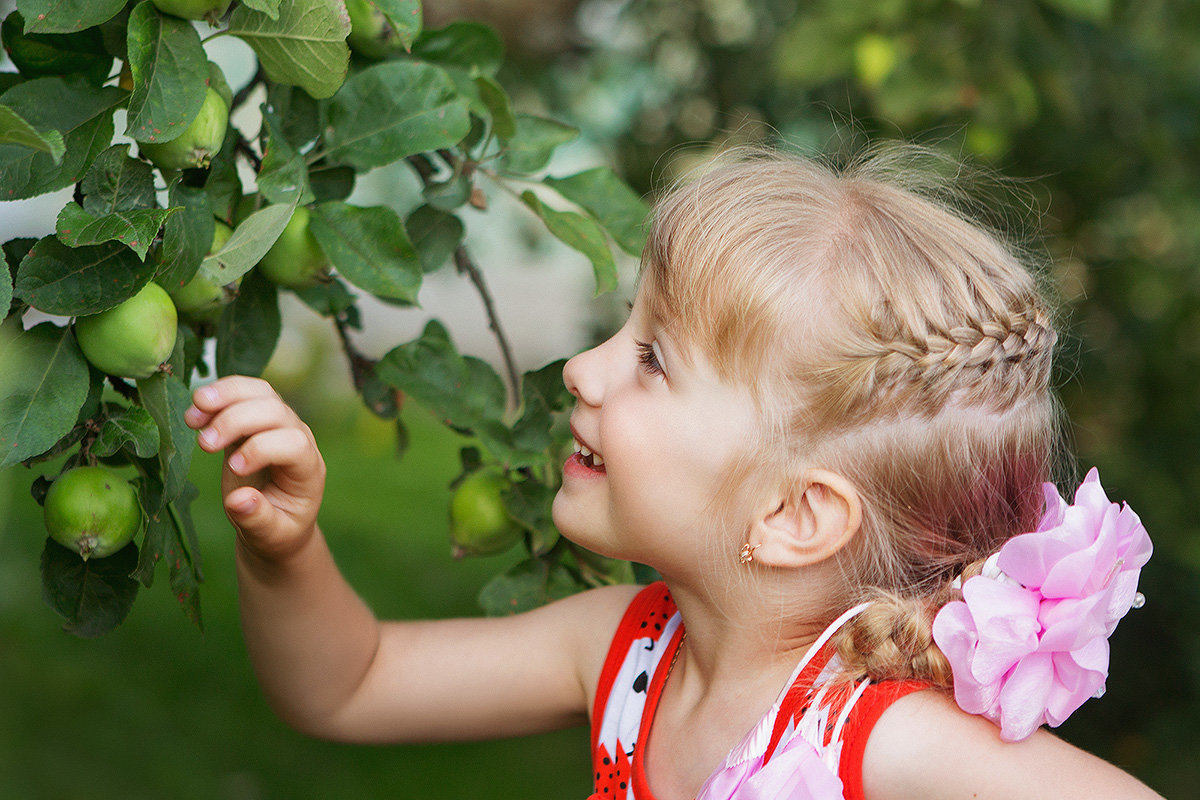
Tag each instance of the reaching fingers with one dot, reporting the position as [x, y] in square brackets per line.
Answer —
[245, 418]
[289, 449]
[209, 400]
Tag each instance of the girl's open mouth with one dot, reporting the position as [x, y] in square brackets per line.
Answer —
[593, 461]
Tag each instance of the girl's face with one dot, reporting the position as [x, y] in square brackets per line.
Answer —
[662, 433]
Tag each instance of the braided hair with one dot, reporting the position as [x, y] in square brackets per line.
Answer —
[886, 337]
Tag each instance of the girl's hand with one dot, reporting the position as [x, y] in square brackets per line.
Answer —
[273, 476]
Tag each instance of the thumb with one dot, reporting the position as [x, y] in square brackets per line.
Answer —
[249, 511]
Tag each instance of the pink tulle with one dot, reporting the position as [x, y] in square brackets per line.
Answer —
[1029, 646]
[795, 772]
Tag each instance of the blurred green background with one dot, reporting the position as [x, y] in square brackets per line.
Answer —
[158, 710]
[1093, 105]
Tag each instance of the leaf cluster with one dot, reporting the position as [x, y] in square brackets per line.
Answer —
[338, 94]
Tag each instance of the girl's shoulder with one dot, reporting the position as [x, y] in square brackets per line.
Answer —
[925, 746]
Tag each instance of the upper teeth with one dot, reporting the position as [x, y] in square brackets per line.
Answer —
[597, 459]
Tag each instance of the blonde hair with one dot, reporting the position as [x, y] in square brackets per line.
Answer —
[884, 337]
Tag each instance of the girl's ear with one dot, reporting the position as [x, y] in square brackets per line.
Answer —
[815, 518]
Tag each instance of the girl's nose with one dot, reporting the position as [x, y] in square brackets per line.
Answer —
[582, 376]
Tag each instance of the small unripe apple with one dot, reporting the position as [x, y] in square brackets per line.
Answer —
[92, 511]
[296, 260]
[199, 142]
[200, 299]
[211, 10]
[132, 339]
[479, 522]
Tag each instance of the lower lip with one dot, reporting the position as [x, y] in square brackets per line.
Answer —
[575, 468]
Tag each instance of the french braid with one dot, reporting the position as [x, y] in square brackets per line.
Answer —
[887, 338]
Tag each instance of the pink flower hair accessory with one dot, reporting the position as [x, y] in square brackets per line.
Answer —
[1028, 643]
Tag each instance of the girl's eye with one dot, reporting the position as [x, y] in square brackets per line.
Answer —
[648, 358]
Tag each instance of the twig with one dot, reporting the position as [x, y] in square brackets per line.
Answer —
[466, 266]
[242, 146]
[244, 93]
[360, 365]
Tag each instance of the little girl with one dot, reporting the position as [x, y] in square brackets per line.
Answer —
[827, 424]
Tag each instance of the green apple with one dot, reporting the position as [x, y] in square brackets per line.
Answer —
[296, 260]
[210, 10]
[199, 142]
[200, 299]
[370, 32]
[479, 522]
[132, 339]
[92, 511]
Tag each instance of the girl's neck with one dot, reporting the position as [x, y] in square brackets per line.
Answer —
[748, 650]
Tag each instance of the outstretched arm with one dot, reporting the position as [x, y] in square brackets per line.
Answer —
[925, 747]
[327, 666]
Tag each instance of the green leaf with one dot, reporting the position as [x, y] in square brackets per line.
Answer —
[301, 116]
[435, 234]
[165, 398]
[304, 46]
[331, 182]
[170, 75]
[581, 233]
[547, 384]
[504, 123]
[15, 130]
[249, 243]
[393, 110]
[134, 229]
[66, 16]
[465, 392]
[46, 380]
[171, 537]
[72, 281]
[526, 586]
[529, 503]
[93, 596]
[6, 288]
[405, 17]
[331, 299]
[369, 248]
[284, 175]
[127, 425]
[187, 235]
[610, 201]
[249, 328]
[116, 182]
[44, 54]
[80, 112]
[532, 144]
[223, 185]
[268, 7]
[472, 46]
[450, 194]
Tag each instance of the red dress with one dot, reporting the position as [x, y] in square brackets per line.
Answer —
[834, 718]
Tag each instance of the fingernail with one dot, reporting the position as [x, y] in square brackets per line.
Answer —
[237, 462]
[245, 506]
[192, 415]
[208, 437]
[206, 394]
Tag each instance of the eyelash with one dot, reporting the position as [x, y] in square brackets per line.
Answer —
[648, 358]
